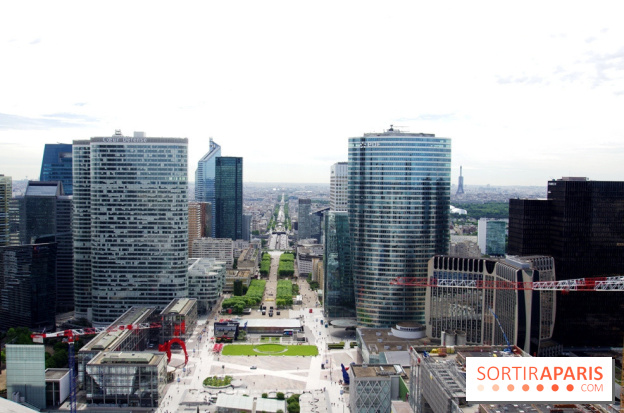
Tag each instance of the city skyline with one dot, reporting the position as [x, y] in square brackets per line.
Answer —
[265, 81]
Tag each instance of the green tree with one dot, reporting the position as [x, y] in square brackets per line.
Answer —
[238, 288]
[18, 335]
[279, 396]
[265, 396]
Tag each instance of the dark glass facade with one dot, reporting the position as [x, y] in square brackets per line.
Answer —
[28, 286]
[338, 291]
[304, 225]
[581, 225]
[399, 199]
[45, 211]
[57, 165]
[229, 197]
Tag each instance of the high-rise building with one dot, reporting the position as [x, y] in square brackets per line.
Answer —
[399, 201]
[81, 228]
[338, 195]
[316, 224]
[247, 218]
[465, 315]
[46, 212]
[580, 226]
[229, 197]
[205, 180]
[491, 236]
[304, 228]
[57, 165]
[6, 192]
[338, 294]
[131, 216]
[28, 286]
[199, 222]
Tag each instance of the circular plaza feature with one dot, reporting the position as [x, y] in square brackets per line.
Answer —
[270, 348]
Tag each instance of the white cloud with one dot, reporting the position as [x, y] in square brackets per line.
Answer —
[284, 84]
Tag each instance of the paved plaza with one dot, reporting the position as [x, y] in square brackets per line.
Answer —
[288, 374]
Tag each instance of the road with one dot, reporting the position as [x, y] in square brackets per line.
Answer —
[318, 386]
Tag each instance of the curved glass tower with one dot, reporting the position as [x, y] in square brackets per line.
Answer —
[205, 181]
[399, 196]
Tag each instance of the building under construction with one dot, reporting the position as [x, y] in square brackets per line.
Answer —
[458, 312]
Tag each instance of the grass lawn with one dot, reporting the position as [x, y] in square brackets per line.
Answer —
[268, 350]
[270, 339]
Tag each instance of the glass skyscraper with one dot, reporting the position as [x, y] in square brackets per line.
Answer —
[491, 236]
[28, 286]
[338, 298]
[399, 198]
[57, 165]
[304, 226]
[45, 212]
[6, 193]
[137, 219]
[229, 197]
[205, 180]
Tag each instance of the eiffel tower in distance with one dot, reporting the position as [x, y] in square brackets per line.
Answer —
[460, 184]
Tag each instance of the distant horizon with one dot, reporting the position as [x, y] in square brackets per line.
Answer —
[327, 183]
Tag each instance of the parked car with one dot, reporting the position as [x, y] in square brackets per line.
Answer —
[253, 367]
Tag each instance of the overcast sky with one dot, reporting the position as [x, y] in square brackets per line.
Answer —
[527, 93]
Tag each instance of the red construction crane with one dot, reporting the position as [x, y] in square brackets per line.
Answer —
[72, 335]
[580, 284]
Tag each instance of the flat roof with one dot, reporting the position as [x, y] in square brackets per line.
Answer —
[272, 322]
[107, 340]
[179, 306]
[232, 401]
[379, 370]
[380, 340]
[8, 406]
[270, 405]
[55, 374]
[127, 357]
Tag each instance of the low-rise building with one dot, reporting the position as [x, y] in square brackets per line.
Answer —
[178, 319]
[206, 279]
[372, 387]
[231, 403]
[249, 260]
[381, 345]
[126, 379]
[306, 254]
[120, 340]
[232, 276]
[57, 386]
[221, 249]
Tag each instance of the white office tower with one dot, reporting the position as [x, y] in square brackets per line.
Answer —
[338, 185]
[131, 228]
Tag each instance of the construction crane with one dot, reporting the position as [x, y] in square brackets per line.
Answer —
[508, 350]
[579, 284]
[72, 335]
